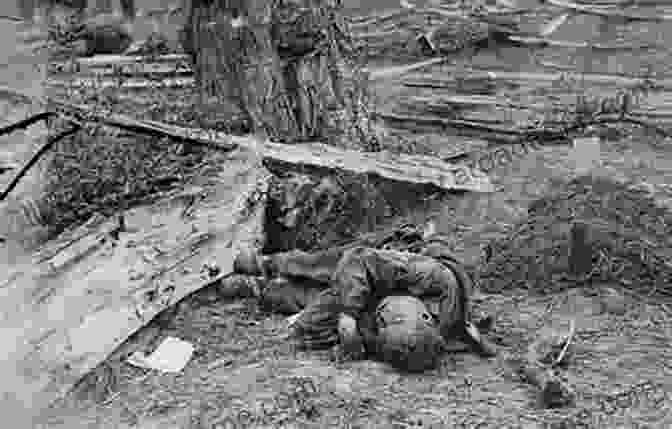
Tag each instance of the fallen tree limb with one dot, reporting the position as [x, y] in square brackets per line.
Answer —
[544, 42]
[381, 34]
[609, 13]
[86, 292]
[387, 72]
[457, 123]
[105, 66]
[63, 71]
[618, 119]
[25, 123]
[594, 78]
[51, 141]
[466, 101]
[132, 84]
[380, 18]
[107, 60]
[557, 132]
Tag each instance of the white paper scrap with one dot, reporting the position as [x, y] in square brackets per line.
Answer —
[586, 154]
[172, 355]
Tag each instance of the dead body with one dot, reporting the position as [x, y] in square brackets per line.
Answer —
[398, 306]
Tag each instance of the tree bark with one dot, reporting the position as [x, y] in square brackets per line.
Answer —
[26, 9]
[283, 64]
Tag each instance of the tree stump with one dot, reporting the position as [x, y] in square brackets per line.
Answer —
[283, 65]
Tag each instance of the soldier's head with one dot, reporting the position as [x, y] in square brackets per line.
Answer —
[409, 334]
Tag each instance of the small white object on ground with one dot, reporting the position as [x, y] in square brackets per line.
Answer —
[172, 355]
[586, 154]
[291, 320]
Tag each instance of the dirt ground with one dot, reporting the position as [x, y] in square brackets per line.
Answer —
[243, 364]
[245, 374]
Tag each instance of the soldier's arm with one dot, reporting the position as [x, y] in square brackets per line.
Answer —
[354, 279]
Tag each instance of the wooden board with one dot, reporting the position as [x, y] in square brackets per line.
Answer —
[400, 167]
[85, 292]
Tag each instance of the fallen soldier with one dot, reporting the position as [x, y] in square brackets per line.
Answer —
[399, 306]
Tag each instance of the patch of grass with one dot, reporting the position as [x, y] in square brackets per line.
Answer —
[534, 254]
[101, 174]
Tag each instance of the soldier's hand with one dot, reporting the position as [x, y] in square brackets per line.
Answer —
[351, 341]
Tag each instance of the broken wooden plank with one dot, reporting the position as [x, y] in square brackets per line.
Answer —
[417, 169]
[68, 310]
[399, 167]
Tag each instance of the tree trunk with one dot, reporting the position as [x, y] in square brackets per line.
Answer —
[282, 65]
[26, 9]
[128, 8]
[101, 6]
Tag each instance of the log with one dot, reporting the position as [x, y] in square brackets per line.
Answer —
[107, 60]
[124, 84]
[457, 123]
[440, 102]
[557, 133]
[609, 12]
[105, 64]
[86, 292]
[60, 70]
[545, 42]
[593, 78]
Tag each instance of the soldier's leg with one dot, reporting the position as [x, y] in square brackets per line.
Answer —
[289, 296]
[318, 265]
[298, 277]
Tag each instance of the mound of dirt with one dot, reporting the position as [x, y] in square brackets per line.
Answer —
[628, 240]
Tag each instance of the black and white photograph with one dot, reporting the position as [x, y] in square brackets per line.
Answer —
[356, 214]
